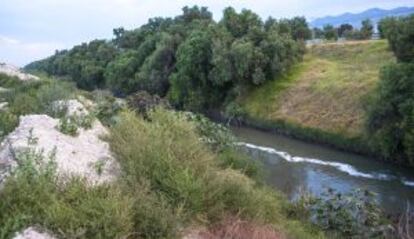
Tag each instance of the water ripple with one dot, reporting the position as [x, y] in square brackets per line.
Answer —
[343, 167]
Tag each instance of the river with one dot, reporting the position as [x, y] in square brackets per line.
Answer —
[294, 166]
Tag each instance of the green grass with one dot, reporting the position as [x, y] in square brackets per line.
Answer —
[170, 180]
[326, 91]
[166, 153]
[29, 98]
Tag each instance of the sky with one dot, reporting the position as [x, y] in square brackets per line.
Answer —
[34, 29]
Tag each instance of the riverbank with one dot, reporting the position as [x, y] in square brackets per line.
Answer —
[170, 179]
[324, 98]
[355, 144]
[294, 166]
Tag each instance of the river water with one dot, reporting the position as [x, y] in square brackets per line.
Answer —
[294, 166]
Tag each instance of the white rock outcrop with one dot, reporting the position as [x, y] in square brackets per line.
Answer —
[85, 155]
[3, 105]
[32, 233]
[72, 107]
[11, 70]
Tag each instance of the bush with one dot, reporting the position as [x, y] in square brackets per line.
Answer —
[73, 210]
[217, 136]
[391, 116]
[107, 107]
[37, 97]
[53, 91]
[68, 125]
[231, 158]
[8, 122]
[353, 215]
[143, 102]
[399, 33]
[165, 151]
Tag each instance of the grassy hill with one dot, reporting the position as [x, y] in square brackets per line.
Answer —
[326, 91]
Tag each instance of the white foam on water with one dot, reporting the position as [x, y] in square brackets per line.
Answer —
[408, 183]
[343, 167]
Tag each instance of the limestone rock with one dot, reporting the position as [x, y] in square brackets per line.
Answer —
[11, 70]
[85, 155]
[32, 233]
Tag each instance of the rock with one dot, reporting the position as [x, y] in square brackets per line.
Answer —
[85, 155]
[3, 89]
[3, 105]
[32, 233]
[11, 70]
[72, 107]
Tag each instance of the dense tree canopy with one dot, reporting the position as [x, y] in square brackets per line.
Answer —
[194, 61]
[391, 120]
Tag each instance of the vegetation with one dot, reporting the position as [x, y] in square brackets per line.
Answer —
[67, 125]
[178, 169]
[329, 32]
[29, 98]
[194, 61]
[327, 91]
[391, 117]
[350, 215]
[158, 194]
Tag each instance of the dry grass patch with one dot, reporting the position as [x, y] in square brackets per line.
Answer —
[327, 90]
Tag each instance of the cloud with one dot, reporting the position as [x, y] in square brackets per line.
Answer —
[51, 24]
[20, 53]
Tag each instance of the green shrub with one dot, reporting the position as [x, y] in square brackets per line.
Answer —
[352, 215]
[391, 116]
[23, 104]
[234, 159]
[107, 107]
[165, 151]
[217, 136]
[51, 92]
[85, 121]
[68, 125]
[8, 122]
[37, 97]
[31, 196]
[8, 81]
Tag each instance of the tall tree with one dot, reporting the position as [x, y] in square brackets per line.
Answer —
[343, 28]
[367, 29]
[391, 118]
[330, 32]
[300, 29]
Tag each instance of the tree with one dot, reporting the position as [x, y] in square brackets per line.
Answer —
[330, 32]
[367, 29]
[190, 82]
[317, 33]
[195, 13]
[343, 28]
[385, 25]
[239, 24]
[119, 74]
[300, 29]
[194, 61]
[391, 117]
[400, 37]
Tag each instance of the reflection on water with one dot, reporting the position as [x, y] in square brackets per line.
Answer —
[293, 166]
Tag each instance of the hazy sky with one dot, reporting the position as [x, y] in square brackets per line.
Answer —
[33, 29]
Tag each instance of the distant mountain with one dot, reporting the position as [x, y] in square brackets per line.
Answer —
[375, 14]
